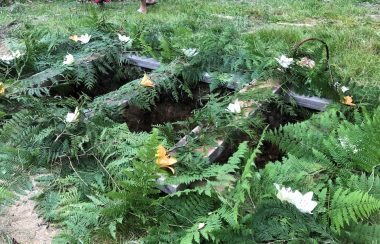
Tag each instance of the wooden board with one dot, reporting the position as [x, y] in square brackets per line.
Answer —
[311, 102]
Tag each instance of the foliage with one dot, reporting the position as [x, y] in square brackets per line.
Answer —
[102, 181]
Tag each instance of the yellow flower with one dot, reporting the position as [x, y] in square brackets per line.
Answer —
[146, 81]
[163, 160]
[2, 88]
[347, 100]
[74, 38]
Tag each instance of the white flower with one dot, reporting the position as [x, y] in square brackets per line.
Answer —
[344, 89]
[190, 52]
[124, 38]
[304, 203]
[72, 117]
[306, 62]
[284, 61]
[10, 57]
[69, 59]
[84, 38]
[7, 58]
[234, 107]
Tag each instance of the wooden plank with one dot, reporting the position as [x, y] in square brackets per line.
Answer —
[148, 63]
[316, 103]
[310, 102]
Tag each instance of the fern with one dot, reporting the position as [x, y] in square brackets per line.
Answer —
[274, 221]
[214, 170]
[4, 194]
[349, 206]
[362, 233]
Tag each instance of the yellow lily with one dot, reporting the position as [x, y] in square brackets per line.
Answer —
[348, 100]
[146, 81]
[163, 160]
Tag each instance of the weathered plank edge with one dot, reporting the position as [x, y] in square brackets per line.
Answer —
[316, 103]
[311, 102]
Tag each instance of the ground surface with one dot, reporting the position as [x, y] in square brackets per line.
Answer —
[22, 223]
[352, 29]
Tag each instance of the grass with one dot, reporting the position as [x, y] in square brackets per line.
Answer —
[352, 35]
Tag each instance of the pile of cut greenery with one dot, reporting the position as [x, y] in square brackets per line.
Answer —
[101, 180]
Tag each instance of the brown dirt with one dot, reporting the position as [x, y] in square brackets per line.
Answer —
[165, 110]
[22, 223]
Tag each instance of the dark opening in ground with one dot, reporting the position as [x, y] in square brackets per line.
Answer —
[104, 84]
[166, 109]
[274, 118]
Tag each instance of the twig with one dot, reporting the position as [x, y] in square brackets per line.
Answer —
[71, 164]
[109, 174]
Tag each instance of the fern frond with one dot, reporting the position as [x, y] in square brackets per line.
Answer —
[347, 206]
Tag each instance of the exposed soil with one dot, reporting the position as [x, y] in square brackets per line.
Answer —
[21, 222]
[269, 152]
[165, 110]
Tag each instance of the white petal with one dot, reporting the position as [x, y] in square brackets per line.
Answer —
[69, 59]
[201, 226]
[344, 89]
[84, 38]
[307, 207]
[190, 52]
[124, 38]
[234, 107]
[308, 196]
[277, 186]
[70, 117]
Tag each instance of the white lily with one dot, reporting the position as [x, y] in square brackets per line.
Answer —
[284, 61]
[123, 38]
[303, 203]
[7, 58]
[190, 52]
[72, 117]
[10, 57]
[69, 59]
[84, 38]
[234, 107]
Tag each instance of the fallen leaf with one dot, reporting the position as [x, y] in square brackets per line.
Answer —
[348, 100]
[2, 88]
[163, 160]
[146, 81]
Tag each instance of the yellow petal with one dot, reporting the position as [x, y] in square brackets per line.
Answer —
[348, 100]
[161, 152]
[146, 81]
[171, 161]
[172, 170]
[74, 38]
[163, 162]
